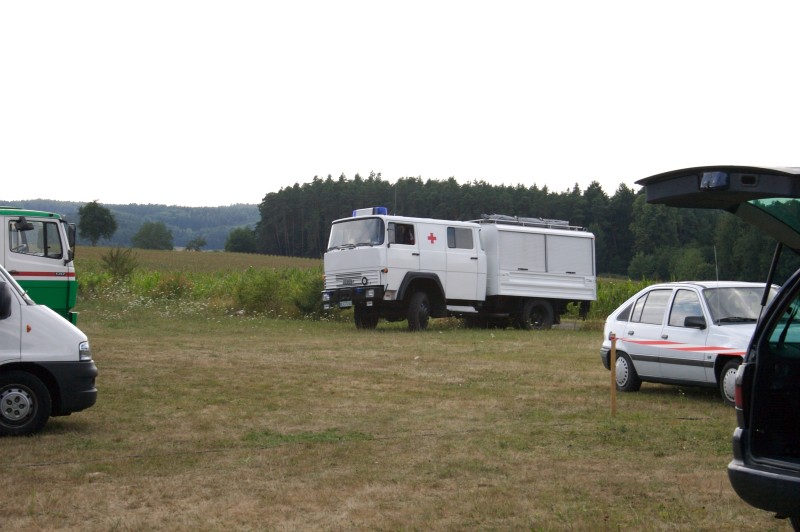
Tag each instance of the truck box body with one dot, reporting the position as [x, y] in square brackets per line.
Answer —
[539, 262]
[397, 267]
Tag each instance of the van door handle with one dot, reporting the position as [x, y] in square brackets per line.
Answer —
[415, 254]
[474, 258]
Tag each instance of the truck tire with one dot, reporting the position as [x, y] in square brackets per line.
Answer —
[364, 318]
[536, 314]
[419, 311]
[24, 404]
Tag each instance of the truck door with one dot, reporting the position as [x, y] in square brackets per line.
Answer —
[402, 253]
[35, 256]
[462, 264]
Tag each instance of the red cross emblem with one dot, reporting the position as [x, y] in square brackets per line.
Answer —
[432, 238]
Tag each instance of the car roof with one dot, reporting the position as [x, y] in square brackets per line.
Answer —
[766, 197]
[709, 284]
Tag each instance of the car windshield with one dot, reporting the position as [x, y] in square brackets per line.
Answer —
[353, 233]
[735, 304]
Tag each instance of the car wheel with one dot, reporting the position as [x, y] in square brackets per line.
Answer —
[24, 404]
[365, 319]
[727, 382]
[536, 314]
[627, 378]
[419, 311]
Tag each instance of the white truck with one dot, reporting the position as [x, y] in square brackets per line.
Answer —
[495, 271]
[46, 366]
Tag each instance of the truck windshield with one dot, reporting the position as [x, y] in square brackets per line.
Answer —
[735, 305]
[360, 232]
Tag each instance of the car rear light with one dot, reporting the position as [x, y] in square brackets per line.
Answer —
[738, 398]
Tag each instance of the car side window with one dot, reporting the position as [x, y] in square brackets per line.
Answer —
[650, 307]
[784, 339]
[686, 303]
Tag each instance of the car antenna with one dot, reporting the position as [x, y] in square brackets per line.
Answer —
[719, 295]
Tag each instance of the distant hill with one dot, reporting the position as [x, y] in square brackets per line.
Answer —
[212, 223]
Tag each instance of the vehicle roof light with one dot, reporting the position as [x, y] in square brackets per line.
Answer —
[370, 210]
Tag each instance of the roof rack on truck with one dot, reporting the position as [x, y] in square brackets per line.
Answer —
[547, 223]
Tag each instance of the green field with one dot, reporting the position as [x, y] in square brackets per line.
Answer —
[208, 419]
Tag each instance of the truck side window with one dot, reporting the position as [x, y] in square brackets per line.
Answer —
[460, 238]
[686, 303]
[42, 240]
[401, 234]
[650, 307]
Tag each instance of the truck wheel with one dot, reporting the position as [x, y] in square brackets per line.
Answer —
[419, 311]
[627, 378]
[24, 403]
[727, 382]
[365, 319]
[536, 314]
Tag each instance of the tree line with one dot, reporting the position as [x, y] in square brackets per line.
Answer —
[632, 238]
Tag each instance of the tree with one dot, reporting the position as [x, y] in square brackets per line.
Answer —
[153, 235]
[196, 243]
[96, 222]
[241, 240]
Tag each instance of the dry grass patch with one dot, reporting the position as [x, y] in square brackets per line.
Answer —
[211, 422]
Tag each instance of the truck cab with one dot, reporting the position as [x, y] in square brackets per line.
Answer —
[396, 267]
[38, 250]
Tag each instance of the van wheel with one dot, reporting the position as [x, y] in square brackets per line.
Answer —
[24, 404]
[627, 378]
[419, 311]
[536, 314]
[727, 382]
[365, 319]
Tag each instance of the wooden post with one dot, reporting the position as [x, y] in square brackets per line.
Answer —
[612, 362]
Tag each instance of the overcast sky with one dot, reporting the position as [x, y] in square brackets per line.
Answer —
[207, 103]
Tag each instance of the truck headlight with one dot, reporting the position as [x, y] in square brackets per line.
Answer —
[84, 353]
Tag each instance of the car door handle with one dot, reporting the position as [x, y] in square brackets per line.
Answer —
[415, 254]
[630, 333]
[474, 258]
[664, 336]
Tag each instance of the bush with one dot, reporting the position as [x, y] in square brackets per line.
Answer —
[119, 262]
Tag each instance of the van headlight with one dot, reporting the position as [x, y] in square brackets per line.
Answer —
[84, 353]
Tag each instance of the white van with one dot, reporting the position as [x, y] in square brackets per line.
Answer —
[46, 366]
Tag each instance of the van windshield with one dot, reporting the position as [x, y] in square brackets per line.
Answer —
[359, 232]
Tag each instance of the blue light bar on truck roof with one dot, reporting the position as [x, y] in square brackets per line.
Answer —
[370, 210]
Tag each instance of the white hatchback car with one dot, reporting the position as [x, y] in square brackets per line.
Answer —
[689, 333]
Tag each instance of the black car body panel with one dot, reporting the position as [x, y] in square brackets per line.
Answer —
[765, 470]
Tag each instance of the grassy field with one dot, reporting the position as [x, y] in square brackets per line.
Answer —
[207, 421]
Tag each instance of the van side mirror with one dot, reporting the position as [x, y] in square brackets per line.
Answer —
[5, 301]
[695, 322]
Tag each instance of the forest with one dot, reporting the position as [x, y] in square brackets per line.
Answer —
[214, 224]
[632, 238]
